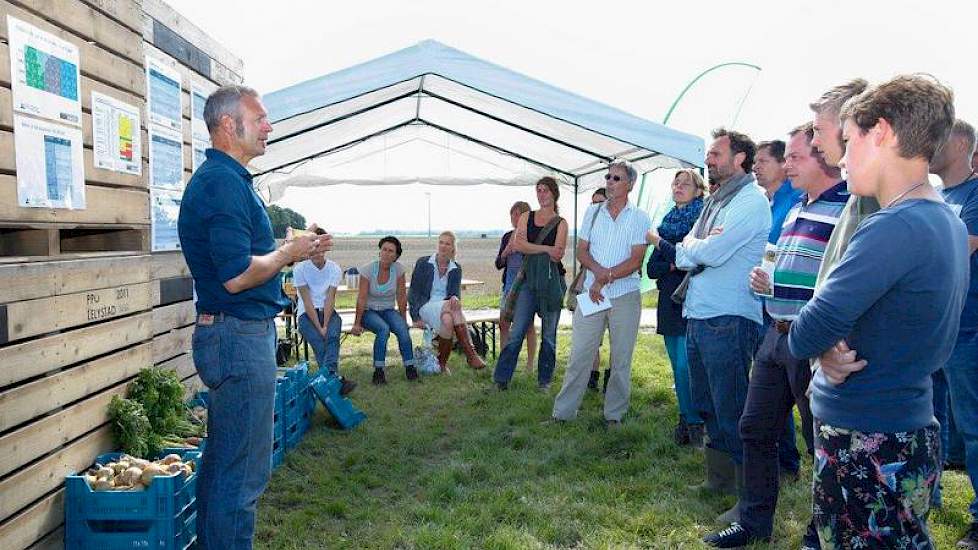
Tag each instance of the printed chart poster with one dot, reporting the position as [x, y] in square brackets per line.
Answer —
[198, 150]
[50, 173]
[165, 206]
[165, 159]
[164, 102]
[44, 70]
[198, 97]
[116, 139]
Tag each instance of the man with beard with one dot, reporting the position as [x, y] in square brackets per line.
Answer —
[779, 381]
[724, 315]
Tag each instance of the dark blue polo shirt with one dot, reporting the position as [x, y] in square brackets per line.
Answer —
[222, 225]
[963, 200]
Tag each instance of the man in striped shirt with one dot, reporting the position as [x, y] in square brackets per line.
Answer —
[778, 381]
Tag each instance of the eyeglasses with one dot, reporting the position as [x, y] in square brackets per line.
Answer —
[609, 177]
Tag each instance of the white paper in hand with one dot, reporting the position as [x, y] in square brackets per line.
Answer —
[587, 307]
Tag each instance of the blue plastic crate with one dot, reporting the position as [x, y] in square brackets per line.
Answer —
[327, 389]
[278, 453]
[165, 497]
[175, 533]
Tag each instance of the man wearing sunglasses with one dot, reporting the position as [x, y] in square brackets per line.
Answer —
[724, 316]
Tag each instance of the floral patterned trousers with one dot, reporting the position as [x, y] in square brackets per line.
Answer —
[873, 490]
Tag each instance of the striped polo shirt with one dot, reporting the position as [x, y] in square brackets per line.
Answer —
[611, 240]
[804, 236]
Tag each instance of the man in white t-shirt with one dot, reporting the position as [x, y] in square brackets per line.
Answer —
[316, 280]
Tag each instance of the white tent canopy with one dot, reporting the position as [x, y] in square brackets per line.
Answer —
[435, 115]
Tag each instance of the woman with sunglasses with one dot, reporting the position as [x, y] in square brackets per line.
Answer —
[541, 236]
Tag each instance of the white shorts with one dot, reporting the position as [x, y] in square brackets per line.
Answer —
[431, 314]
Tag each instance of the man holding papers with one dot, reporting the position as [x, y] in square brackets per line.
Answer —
[611, 248]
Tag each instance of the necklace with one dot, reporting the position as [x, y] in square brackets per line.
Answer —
[905, 193]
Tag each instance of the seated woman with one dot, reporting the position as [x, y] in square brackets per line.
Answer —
[436, 302]
[381, 283]
[316, 280]
[687, 192]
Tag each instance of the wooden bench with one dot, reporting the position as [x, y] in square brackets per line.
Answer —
[484, 321]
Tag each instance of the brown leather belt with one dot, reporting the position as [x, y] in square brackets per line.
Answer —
[782, 326]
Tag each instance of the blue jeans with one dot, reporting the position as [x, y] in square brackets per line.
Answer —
[676, 348]
[720, 351]
[326, 350]
[382, 323]
[523, 314]
[235, 358]
[962, 377]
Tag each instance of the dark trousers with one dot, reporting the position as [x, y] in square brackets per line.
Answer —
[778, 381]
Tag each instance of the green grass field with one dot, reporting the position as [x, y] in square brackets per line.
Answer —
[451, 463]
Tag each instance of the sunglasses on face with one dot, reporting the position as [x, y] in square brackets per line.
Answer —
[609, 177]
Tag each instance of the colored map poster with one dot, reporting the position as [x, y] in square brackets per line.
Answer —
[44, 71]
[164, 100]
[165, 159]
[50, 170]
[165, 209]
[115, 135]
[198, 97]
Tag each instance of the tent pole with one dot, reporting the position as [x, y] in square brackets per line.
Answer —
[575, 228]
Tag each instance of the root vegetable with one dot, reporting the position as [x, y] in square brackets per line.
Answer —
[151, 471]
[104, 472]
[131, 475]
[102, 485]
[174, 468]
[170, 459]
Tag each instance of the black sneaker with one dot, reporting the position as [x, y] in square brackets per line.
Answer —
[970, 539]
[346, 386]
[604, 383]
[734, 536]
[502, 386]
[379, 377]
[592, 383]
[411, 372]
[681, 433]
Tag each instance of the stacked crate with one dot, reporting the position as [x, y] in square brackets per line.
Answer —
[85, 303]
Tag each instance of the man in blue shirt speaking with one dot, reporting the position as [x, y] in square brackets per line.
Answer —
[227, 240]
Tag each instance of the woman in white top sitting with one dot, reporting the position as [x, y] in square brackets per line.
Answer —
[381, 283]
[316, 280]
[436, 285]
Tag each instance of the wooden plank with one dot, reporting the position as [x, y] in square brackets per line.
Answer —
[127, 12]
[183, 365]
[40, 520]
[43, 279]
[95, 62]
[193, 385]
[29, 359]
[168, 264]
[31, 400]
[173, 316]
[173, 343]
[90, 24]
[102, 205]
[55, 540]
[37, 439]
[30, 484]
[44, 315]
[162, 12]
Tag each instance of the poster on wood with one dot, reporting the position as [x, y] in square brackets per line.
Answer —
[115, 139]
[164, 102]
[198, 97]
[44, 73]
[50, 169]
[166, 210]
[199, 149]
[165, 159]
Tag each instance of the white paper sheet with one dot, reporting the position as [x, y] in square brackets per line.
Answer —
[587, 307]
[44, 70]
[164, 102]
[116, 136]
[165, 159]
[198, 97]
[165, 207]
[50, 169]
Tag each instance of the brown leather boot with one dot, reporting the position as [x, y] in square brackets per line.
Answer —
[473, 359]
[444, 352]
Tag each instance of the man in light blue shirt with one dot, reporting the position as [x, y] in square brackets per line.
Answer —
[724, 316]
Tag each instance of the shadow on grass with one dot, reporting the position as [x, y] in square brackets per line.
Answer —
[449, 462]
